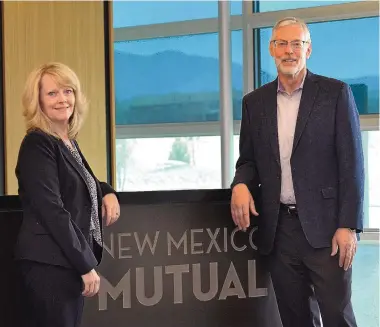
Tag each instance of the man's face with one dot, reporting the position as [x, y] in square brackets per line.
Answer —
[289, 49]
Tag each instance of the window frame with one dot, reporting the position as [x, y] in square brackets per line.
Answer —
[248, 22]
[2, 117]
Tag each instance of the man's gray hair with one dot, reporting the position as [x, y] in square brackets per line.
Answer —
[290, 21]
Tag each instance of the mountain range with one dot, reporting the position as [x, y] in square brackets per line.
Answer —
[171, 73]
[174, 71]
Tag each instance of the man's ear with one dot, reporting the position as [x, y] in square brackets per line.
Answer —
[308, 51]
[271, 48]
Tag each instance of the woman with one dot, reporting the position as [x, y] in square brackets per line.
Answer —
[60, 240]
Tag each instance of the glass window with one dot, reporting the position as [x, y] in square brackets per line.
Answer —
[173, 80]
[371, 147]
[136, 13]
[236, 7]
[268, 5]
[168, 163]
[352, 57]
[365, 284]
[237, 71]
[194, 162]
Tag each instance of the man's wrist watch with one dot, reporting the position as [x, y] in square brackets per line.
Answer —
[352, 229]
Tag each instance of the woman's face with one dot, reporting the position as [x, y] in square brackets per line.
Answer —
[56, 102]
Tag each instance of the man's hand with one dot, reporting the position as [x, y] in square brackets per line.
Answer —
[241, 203]
[91, 282]
[345, 240]
[110, 208]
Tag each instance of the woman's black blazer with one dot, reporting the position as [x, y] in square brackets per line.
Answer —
[56, 205]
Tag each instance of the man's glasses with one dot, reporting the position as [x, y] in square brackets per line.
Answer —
[295, 45]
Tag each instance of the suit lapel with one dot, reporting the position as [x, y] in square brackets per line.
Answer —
[309, 94]
[270, 103]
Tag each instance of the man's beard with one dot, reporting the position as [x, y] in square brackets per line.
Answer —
[288, 70]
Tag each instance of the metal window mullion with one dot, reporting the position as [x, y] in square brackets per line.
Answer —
[171, 130]
[182, 28]
[225, 91]
[318, 14]
[248, 51]
[370, 234]
[367, 123]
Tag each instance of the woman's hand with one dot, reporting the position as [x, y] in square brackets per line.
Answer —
[110, 208]
[91, 282]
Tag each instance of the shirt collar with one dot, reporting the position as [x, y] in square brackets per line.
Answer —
[280, 87]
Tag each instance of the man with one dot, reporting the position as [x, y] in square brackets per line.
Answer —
[300, 145]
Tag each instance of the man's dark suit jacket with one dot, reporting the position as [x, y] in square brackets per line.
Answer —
[326, 163]
[56, 205]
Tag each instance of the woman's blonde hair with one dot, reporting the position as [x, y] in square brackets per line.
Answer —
[35, 118]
